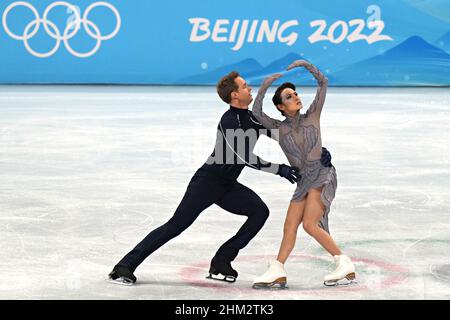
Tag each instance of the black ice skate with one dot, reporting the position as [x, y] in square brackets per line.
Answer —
[122, 275]
[222, 271]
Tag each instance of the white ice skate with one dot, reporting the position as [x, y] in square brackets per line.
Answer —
[344, 273]
[274, 278]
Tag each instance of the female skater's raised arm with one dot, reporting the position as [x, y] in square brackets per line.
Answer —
[265, 120]
[322, 83]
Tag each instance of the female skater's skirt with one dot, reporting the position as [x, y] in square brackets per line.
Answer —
[314, 175]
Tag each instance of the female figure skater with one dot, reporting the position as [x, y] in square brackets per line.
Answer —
[300, 139]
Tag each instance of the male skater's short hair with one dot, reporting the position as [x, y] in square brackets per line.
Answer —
[276, 99]
[227, 85]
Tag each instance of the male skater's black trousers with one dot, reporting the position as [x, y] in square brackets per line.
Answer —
[205, 189]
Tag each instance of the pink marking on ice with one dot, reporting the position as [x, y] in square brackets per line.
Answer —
[194, 273]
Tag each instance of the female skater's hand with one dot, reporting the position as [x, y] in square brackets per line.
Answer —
[269, 80]
[297, 63]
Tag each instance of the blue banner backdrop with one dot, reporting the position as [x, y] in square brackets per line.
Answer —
[356, 43]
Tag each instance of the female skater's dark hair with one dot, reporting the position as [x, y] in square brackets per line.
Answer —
[226, 86]
[276, 99]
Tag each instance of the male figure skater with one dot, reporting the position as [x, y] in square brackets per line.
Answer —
[216, 183]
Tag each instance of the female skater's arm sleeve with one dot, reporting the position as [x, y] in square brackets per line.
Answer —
[322, 83]
[265, 120]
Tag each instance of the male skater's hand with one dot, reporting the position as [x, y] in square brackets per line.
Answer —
[325, 158]
[268, 81]
[290, 173]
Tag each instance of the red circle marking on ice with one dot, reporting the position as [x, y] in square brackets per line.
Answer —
[195, 275]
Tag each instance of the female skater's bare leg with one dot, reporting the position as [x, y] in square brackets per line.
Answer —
[313, 212]
[276, 275]
[294, 217]
[314, 208]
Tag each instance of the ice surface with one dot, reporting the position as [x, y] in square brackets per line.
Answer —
[86, 172]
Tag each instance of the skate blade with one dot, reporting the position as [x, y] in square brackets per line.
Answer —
[270, 286]
[348, 280]
[221, 277]
[121, 281]
[279, 284]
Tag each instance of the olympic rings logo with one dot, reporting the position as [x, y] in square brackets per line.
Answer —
[69, 32]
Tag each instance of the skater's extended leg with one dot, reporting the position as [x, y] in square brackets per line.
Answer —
[293, 219]
[314, 209]
[199, 195]
[242, 201]
[276, 276]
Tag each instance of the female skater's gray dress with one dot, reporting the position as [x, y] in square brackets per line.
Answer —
[300, 140]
